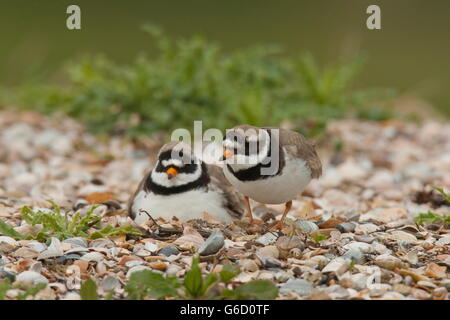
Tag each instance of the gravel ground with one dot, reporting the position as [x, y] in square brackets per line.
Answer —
[351, 235]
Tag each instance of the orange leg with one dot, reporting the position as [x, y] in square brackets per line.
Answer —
[249, 209]
[279, 225]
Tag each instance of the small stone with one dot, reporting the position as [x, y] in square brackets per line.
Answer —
[355, 255]
[109, 283]
[25, 253]
[31, 278]
[403, 236]
[269, 252]
[402, 288]
[440, 294]
[270, 262]
[420, 294]
[366, 228]
[445, 240]
[299, 286]
[248, 265]
[151, 247]
[389, 262]
[306, 226]
[338, 265]
[54, 250]
[93, 256]
[77, 242]
[393, 296]
[8, 240]
[173, 269]
[346, 227]
[169, 251]
[213, 244]
[136, 268]
[267, 238]
[361, 246]
[288, 243]
[364, 238]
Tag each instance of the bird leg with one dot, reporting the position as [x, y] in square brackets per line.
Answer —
[279, 225]
[249, 209]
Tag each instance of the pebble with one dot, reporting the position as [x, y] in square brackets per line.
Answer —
[306, 226]
[269, 252]
[267, 238]
[361, 246]
[93, 256]
[53, 250]
[169, 251]
[31, 278]
[136, 268]
[173, 269]
[213, 244]
[366, 228]
[248, 265]
[77, 242]
[270, 262]
[338, 265]
[346, 227]
[365, 238]
[299, 286]
[109, 283]
[402, 236]
[355, 255]
[288, 243]
[389, 262]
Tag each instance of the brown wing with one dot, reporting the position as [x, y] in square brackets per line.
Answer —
[235, 201]
[139, 188]
[299, 146]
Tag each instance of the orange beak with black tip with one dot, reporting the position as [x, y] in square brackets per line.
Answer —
[171, 172]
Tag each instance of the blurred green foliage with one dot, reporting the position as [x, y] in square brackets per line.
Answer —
[193, 79]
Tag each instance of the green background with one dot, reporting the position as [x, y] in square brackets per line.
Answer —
[411, 53]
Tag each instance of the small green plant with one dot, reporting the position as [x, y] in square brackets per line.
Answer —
[88, 290]
[57, 224]
[194, 79]
[317, 237]
[432, 218]
[155, 285]
[443, 193]
[24, 290]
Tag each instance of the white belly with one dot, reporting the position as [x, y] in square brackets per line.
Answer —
[185, 206]
[275, 189]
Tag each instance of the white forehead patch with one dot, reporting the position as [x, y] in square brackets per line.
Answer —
[172, 162]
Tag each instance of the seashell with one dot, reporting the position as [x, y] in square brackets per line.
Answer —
[53, 251]
[93, 256]
[31, 278]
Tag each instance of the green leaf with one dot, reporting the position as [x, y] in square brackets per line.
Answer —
[5, 285]
[88, 290]
[7, 230]
[193, 281]
[229, 271]
[30, 290]
[257, 290]
[442, 192]
[148, 283]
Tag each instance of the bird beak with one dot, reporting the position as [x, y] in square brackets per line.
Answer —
[227, 153]
[171, 172]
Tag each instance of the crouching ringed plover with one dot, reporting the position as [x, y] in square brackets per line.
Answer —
[274, 169]
[181, 185]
